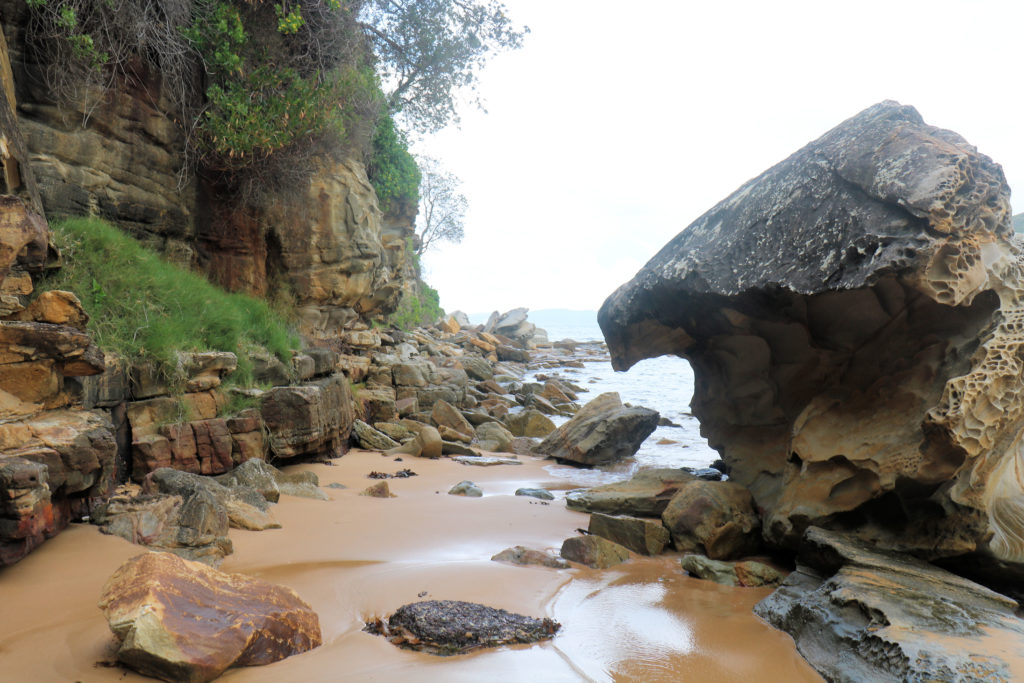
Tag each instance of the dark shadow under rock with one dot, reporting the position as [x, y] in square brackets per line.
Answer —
[449, 627]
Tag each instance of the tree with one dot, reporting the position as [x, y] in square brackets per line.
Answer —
[442, 206]
[428, 50]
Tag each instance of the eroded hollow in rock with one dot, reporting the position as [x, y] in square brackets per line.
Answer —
[819, 403]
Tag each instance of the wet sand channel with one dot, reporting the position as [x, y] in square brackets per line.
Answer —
[354, 557]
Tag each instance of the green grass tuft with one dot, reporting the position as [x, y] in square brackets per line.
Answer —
[145, 308]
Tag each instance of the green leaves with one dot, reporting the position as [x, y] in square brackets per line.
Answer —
[391, 168]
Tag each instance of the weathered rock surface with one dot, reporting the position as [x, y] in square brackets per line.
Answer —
[594, 551]
[183, 621]
[540, 494]
[750, 573]
[371, 439]
[309, 419]
[647, 494]
[642, 536]
[448, 627]
[860, 614]
[716, 515]
[602, 431]
[527, 556]
[532, 423]
[853, 319]
[466, 488]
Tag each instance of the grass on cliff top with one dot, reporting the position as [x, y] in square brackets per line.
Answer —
[146, 308]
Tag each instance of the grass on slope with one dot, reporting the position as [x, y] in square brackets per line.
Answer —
[145, 308]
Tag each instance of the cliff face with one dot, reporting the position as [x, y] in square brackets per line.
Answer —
[120, 155]
[853, 319]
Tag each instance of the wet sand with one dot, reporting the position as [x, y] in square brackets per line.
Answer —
[354, 557]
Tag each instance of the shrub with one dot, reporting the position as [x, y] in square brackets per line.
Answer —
[145, 308]
[418, 306]
[391, 168]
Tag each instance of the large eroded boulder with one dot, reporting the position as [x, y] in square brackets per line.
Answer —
[603, 431]
[183, 621]
[853, 318]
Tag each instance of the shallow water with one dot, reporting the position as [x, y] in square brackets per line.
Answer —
[355, 557]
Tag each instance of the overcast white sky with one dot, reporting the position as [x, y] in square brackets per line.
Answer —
[619, 123]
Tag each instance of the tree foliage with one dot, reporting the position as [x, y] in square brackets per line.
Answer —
[391, 168]
[428, 50]
[442, 207]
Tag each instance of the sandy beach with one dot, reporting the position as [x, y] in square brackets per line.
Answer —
[355, 557]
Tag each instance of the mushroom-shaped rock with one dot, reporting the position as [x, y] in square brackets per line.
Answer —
[854, 320]
[183, 621]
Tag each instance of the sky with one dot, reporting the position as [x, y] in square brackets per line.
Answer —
[618, 124]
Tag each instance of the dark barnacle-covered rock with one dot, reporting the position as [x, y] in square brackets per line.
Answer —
[449, 627]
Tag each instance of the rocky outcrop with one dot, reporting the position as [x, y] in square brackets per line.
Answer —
[853, 319]
[603, 431]
[183, 621]
[860, 614]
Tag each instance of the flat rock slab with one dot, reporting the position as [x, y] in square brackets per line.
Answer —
[527, 556]
[594, 551]
[485, 460]
[884, 616]
[449, 627]
[643, 536]
[183, 621]
[647, 494]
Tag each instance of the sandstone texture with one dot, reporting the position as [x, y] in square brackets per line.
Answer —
[183, 621]
[642, 536]
[718, 516]
[594, 551]
[854, 320]
[647, 494]
[528, 556]
[860, 614]
[603, 431]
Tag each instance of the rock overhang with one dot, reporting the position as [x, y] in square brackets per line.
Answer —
[851, 315]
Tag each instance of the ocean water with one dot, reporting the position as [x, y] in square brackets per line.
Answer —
[664, 384]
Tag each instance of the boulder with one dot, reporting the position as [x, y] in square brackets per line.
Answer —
[642, 536]
[427, 444]
[527, 556]
[466, 488]
[183, 621]
[594, 551]
[540, 494]
[194, 526]
[851, 316]
[477, 368]
[310, 419]
[858, 614]
[603, 431]
[717, 515]
[710, 570]
[447, 627]
[378, 490]
[369, 438]
[493, 432]
[647, 494]
[204, 371]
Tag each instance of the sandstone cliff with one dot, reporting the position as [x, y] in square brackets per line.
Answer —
[120, 154]
[853, 318]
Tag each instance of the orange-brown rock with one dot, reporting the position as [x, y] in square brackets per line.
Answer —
[310, 419]
[184, 621]
[56, 307]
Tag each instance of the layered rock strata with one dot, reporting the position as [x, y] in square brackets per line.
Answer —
[183, 621]
[854, 320]
[858, 614]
